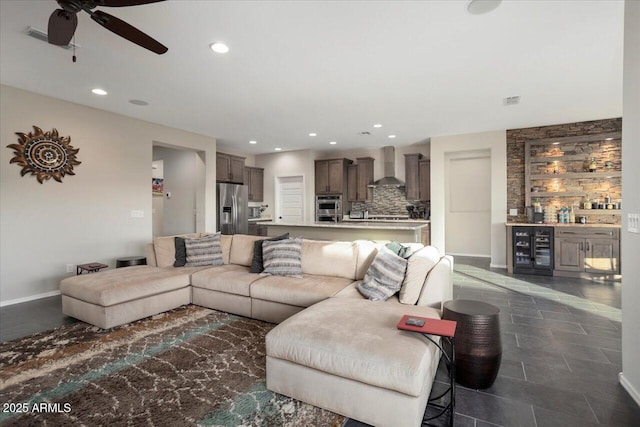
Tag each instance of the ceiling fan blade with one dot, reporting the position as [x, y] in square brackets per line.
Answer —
[62, 26]
[121, 3]
[128, 31]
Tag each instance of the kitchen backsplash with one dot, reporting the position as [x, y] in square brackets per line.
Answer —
[386, 201]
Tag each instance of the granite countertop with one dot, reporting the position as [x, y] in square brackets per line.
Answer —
[527, 224]
[371, 225]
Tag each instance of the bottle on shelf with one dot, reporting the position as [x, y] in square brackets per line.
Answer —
[550, 214]
[592, 164]
[572, 216]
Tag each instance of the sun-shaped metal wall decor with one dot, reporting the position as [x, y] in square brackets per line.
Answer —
[44, 154]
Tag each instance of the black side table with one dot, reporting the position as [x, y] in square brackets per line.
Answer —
[130, 261]
[478, 346]
[92, 267]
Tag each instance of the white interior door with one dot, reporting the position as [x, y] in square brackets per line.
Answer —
[468, 204]
[290, 199]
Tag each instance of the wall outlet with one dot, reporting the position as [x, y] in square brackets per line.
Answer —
[633, 223]
[513, 212]
[137, 214]
[70, 268]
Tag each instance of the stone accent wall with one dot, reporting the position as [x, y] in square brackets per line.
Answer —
[602, 151]
[386, 201]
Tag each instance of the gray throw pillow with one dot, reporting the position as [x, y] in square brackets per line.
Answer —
[384, 277]
[257, 261]
[283, 257]
[181, 252]
[204, 251]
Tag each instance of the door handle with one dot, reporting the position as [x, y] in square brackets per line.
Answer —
[587, 246]
[581, 246]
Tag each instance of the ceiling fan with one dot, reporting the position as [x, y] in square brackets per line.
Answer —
[63, 22]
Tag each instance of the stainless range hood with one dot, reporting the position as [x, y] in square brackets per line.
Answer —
[389, 180]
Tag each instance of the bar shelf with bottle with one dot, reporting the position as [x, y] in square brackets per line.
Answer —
[576, 173]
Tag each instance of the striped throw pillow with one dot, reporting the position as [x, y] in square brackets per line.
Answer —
[282, 257]
[204, 251]
[384, 277]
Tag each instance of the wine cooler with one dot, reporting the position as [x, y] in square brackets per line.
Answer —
[533, 250]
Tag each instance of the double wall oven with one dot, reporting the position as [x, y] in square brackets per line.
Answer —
[328, 208]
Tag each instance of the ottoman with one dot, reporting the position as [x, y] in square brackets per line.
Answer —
[347, 356]
[115, 297]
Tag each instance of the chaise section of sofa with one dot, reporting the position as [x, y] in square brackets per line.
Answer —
[346, 355]
[115, 297]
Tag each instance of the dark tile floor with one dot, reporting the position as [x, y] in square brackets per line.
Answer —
[561, 349]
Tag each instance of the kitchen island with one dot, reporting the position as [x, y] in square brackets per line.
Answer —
[401, 231]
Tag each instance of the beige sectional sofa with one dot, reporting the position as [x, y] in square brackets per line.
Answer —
[333, 348]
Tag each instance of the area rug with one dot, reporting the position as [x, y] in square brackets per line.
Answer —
[189, 366]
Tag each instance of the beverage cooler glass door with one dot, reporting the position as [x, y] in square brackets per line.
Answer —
[543, 247]
[522, 247]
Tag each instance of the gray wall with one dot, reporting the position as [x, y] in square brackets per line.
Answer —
[87, 217]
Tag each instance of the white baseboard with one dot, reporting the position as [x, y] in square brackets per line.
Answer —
[629, 387]
[469, 255]
[497, 265]
[29, 298]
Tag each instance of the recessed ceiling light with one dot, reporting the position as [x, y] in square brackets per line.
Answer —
[278, 149]
[479, 7]
[377, 125]
[313, 134]
[608, 139]
[253, 142]
[556, 143]
[219, 47]
[333, 143]
[392, 136]
[138, 102]
[99, 91]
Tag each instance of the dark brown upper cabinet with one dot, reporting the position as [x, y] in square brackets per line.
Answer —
[331, 176]
[229, 168]
[417, 177]
[254, 179]
[360, 176]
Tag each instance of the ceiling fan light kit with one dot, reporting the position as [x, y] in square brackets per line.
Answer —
[63, 22]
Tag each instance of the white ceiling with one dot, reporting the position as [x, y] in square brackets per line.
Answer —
[420, 68]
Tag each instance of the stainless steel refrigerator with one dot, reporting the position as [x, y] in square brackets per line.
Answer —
[232, 208]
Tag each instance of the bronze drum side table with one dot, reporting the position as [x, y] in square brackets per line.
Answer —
[478, 350]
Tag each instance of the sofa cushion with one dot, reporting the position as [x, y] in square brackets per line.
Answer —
[257, 263]
[165, 249]
[242, 249]
[358, 340]
[204, 251]
[225, 243]
[418, 266]
[335, 258]
[231, 278]
[303, 292]
[367, 251]
[384, 277]
[438, 286]
[120, 285]
[283, 257]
